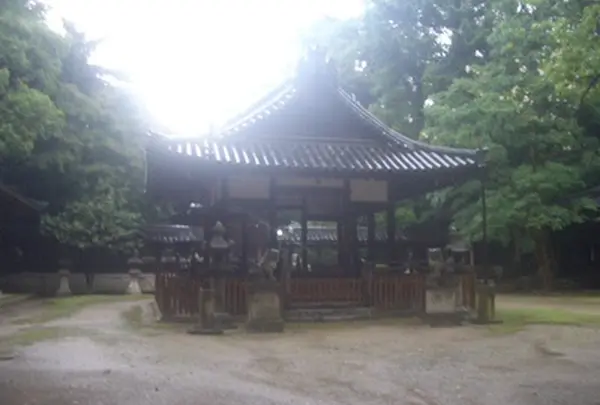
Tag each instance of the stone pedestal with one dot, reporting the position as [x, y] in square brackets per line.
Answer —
[443, 300]
[64, 289]
[207, 323]
[486, 305]
[264, 307]
[134, 287]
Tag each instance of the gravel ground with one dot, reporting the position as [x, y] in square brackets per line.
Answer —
[365, 363]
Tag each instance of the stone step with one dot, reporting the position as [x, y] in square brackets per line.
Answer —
[324, 305]
[327, 314]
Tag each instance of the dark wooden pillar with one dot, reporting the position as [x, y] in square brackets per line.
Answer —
[272, 214]
[340, 241]
[371, 237]
[353, 243]
[391, 231]
[304, 234]
[346, 242]
[244, 245]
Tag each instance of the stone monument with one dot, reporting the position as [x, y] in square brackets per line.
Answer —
[135, 274]
[443, 291]
[64, 288]
[265, 302]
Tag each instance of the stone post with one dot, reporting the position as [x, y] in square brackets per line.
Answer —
[135, 274]
[486, 304]
[219, 249]
[64, 288]
[207, 323]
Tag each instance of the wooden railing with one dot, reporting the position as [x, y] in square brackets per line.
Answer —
[177, 296]
[398, 292]
[235, 296]
[315, 290]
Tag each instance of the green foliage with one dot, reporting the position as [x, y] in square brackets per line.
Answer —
[506, 75]
[70, 134]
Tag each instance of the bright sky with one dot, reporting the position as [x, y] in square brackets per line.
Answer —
[198, 62]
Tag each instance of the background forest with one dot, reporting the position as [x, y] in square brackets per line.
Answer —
[516, 77]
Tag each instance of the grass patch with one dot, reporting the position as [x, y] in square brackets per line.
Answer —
[353, 324]
[579, 298]
[34, 335]
[62, 307]
[9, 299]
[516, 319]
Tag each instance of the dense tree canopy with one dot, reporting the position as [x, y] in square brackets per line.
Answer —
[69, 132]
[519, 78]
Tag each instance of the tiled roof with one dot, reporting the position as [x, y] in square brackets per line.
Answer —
[379, 148]
[172, 233]
[331, 156]
[328, 234]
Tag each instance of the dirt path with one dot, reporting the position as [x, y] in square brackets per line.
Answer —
[364, 363]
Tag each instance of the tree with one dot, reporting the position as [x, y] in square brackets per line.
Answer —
[28, 66]
[71, 134]
[538, 151]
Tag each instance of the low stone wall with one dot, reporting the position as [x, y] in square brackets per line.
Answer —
[47, 283]
[110, 283]
[30, 283]
[78, 283]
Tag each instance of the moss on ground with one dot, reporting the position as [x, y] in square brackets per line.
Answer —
[516, 319]
[55, 308]
[30, 336]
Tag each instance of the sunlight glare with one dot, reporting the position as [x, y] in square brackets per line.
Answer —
[197, 63]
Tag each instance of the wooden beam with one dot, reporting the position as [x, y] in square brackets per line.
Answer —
[304, 234]
[272, 213]
[391, 230]
[371, 237]
[244, 247]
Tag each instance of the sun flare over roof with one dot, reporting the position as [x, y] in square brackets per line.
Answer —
[196, 63]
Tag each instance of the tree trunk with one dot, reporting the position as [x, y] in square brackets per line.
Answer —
[545, 259]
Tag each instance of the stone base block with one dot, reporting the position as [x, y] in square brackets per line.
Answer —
[264, 307]
[441, 301]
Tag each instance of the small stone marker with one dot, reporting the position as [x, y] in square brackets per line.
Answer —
[207, 323]
[135, 274]
[64, 288]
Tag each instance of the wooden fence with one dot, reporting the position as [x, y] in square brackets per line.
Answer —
[398, 292]
[177, 296]
[325, 290]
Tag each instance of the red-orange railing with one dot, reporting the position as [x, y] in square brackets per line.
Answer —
[398, 292]
[235, 296]
[177, 296]
[315, 290]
